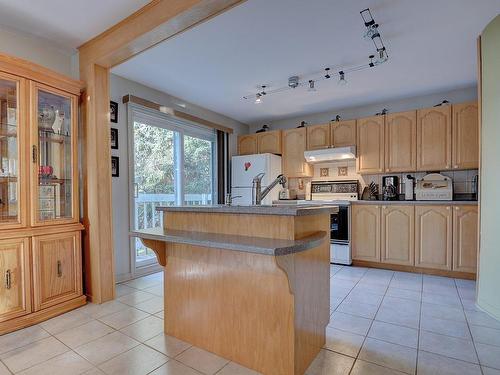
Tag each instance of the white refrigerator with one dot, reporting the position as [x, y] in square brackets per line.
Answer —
[244, 168]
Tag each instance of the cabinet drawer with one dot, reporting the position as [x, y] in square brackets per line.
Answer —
[15, 285]
[56, 268]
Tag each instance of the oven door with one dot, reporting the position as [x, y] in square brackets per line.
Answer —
[339, 226]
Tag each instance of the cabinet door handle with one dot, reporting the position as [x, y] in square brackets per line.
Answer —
[34, 153]
[8, 279]
[59, 268]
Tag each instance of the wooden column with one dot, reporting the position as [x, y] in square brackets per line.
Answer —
[98, 238]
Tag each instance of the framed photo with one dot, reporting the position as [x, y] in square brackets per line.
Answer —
[113, 112]
[115, 166]
[114, 138]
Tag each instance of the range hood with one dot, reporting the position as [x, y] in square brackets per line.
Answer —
[330, 154]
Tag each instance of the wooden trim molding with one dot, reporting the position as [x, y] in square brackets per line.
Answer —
[38, 73]
[152, 24]
[174, 112]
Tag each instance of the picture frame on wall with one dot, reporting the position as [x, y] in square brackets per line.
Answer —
[113, 111]
[114, 139]
[115, 166]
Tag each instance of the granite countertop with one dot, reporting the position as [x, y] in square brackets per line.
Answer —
[277, 209]
[257, 245]
[425, 203]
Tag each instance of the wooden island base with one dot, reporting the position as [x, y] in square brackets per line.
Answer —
[265, 312]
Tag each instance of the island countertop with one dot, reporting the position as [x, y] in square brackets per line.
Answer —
[280, 210]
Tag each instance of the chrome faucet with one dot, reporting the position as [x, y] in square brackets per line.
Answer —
[258, 194]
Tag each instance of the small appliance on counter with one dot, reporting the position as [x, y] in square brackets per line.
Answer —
[287, 194]
[434, 187]
[390, 188]
[409, 187]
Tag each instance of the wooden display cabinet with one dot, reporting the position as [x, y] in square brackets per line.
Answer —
[40, 249]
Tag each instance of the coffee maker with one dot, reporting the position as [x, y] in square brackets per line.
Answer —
[390, 185]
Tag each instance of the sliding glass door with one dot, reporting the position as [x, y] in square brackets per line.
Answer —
[173, 164]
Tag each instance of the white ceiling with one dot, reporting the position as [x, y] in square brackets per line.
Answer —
[68, 23]
[431, 43]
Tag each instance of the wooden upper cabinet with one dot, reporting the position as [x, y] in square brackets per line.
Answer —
[433, 237]
[434, 138]
[318, 136]
[401, 142]
[343, 133]
[269, 142]
[465, 131]
[247, 144]
[57, 266]
[465, 238]
[370, 144]
[398, 235]
[366, 232]
[294, 144]
[15, 284]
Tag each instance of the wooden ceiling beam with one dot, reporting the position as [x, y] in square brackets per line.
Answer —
[150, 25]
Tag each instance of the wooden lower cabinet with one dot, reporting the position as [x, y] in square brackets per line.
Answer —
[366, 232]
[433, 237]
[15, 285]
[465, 238]
[397, 235]
[57, 268]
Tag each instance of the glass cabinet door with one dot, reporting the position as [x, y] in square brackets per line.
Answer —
[10, 205]
[54, 156]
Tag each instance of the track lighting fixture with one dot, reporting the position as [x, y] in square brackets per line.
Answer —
[342, 81]
[311, 86]
[309, 81]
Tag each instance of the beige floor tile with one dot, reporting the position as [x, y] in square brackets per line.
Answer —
[448, 346]
[446, 327]
[94, 371]
[201, 360]
[334, 303]
[367, 368]
[135, 298]
[394, 334]
[144, 329]
[442, 312]
[330, 363]
[143, 283]
[172, 367]
[343, 342]
[21, 338]
[83, 334]
[432, 364]
[4, 370]
[65, 321]
[368, 287]
[106, 308]
[342, 283]
[490, 371]
[440, 299]
[140, 360]
[156, 290]
[235, 369]
[122, 290]
[479, 318]
[168, 345]
[33, 354]
[399, 311]
[106, 347]
[489, 355]
[361, 296]
[160, 314]
[151, 306]
[396, 357]
[350, 323]
[123, 318]
[339, 292]
[359, 309]
[64, 364]
[404, 293]
[485, 335]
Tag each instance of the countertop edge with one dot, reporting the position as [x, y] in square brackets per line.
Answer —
[417, 203]
[277, 210]
[256, 245]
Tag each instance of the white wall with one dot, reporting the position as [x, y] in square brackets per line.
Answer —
[39, 50]
[406, 104]
[119, 87]
[489, 262]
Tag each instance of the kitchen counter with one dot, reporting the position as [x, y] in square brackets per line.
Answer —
[275, 209]
[235, 274]
[423, 203]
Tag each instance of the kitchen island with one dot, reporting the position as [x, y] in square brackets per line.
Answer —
[248, 283]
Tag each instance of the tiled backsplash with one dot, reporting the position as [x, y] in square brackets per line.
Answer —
[462, 180]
